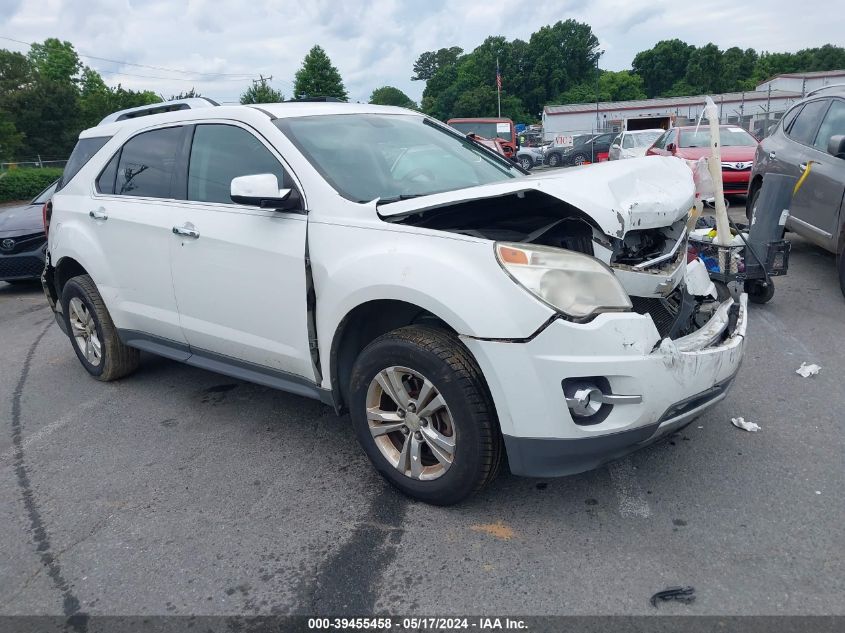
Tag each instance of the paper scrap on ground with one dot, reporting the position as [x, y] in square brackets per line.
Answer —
[808, 370]
[740, 423]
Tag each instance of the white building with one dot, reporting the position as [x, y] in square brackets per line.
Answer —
[753, 110]
[803, 82]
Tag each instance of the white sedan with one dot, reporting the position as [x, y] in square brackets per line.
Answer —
[633, 144]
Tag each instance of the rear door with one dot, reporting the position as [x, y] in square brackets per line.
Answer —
[819, 200]
[132, 214]
[240, 280]
[792, 160]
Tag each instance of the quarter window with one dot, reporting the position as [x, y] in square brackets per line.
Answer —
[222, 152]
[81, 154]
[147, 164]
[105, 183]
[806, 123]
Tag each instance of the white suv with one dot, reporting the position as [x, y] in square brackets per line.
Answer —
[379, 261]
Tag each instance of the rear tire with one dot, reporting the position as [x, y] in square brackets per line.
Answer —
[92, 333]
[455, 437]
[526, 163]
[579, 159]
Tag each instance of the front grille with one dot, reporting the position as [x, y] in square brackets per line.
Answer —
[24, 243]
[662, 311]
[20, 267]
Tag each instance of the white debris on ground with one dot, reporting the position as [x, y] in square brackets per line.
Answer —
[740, 423]
[808, 370]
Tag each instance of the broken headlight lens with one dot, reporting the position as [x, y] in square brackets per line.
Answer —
[574, 284]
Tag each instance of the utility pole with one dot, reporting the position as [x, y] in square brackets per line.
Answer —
[768, 108]
[262, 79]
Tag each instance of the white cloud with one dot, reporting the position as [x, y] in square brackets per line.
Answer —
[375, 42]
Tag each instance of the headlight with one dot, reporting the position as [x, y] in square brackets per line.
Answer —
[574, 284]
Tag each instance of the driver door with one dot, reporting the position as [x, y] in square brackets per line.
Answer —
[239, 271]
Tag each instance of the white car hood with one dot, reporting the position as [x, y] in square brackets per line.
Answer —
[640, 193]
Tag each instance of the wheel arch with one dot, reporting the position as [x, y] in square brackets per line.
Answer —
[361, 326]
[753, 186]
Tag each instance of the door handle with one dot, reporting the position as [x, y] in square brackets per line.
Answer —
[772, 155]
[99, 214]
[186, 231]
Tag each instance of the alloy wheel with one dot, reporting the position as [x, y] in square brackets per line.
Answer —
[84, 331]
[411, 423]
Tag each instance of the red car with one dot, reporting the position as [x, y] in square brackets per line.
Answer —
[738, 148]
[500, 130]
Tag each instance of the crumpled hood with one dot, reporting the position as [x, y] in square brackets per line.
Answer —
[21, 220]
[640, 193]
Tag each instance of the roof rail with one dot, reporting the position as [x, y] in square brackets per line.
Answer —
[834, 87]
[158, 108]
[318, 99]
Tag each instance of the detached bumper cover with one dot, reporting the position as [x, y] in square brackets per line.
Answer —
[678, 380]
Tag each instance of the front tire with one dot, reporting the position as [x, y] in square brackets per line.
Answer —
[422, 413]
[92, 332]
[554, 160]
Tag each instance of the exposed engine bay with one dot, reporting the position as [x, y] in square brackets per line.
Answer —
[649, 262]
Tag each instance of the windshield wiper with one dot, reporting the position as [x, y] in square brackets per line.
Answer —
[401, 196]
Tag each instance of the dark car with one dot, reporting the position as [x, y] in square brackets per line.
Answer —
[738, 148]
[22, 239]
[589, 148]
[809, 143]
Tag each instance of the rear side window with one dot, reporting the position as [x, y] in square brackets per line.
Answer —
[81, 154]
[222, 152]
[807, 122]
[147, 164]
[105, 183]
[833, 124]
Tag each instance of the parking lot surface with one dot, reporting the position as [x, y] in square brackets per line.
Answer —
[178, 491]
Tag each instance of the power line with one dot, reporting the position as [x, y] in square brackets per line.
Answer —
[241, 76]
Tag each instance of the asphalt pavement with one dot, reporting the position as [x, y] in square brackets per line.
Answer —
[178, 491]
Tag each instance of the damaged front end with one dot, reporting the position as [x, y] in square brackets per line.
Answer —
[631, 215]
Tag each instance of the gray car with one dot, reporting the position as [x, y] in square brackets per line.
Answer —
[809, 142]
[22, 239]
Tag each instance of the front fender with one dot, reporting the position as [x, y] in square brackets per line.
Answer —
[456, 279]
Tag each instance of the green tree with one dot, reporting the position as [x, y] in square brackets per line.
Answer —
[662, 65]
[704, 70]
[55, 60]
[186, 94]
[430, 62]
[318, 77]
[388, 95]
[613, 86]
[15, 72]
[261, 92]
[10, 139]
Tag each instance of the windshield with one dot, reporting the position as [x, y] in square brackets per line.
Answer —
[730, 137]
[644, 139]
[45, 195]
[392, 156]
[487, 129]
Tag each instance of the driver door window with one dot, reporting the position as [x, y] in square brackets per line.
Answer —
[222, 152]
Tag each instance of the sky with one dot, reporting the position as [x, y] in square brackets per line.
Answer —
[219, 46]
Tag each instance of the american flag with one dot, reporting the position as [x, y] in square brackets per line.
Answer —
[498, 76]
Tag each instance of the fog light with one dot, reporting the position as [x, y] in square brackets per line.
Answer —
[590, 398]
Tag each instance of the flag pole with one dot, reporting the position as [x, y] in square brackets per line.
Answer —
[498, 87]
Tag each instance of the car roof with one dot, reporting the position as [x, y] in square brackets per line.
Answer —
[704, 126]
[286, 109]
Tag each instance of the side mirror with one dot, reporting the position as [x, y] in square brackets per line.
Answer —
[836, 146]
[616, 145]
[262, 190]
[671, 148]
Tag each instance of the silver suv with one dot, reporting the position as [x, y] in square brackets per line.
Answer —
[809, 143]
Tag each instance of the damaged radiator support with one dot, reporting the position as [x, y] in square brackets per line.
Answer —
[673, 316]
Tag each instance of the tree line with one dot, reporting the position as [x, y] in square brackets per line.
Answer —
[559, 64]
[48, 96]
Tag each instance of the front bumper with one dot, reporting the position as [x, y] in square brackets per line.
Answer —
[677, 381]
[735, 181]
[23, 264]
